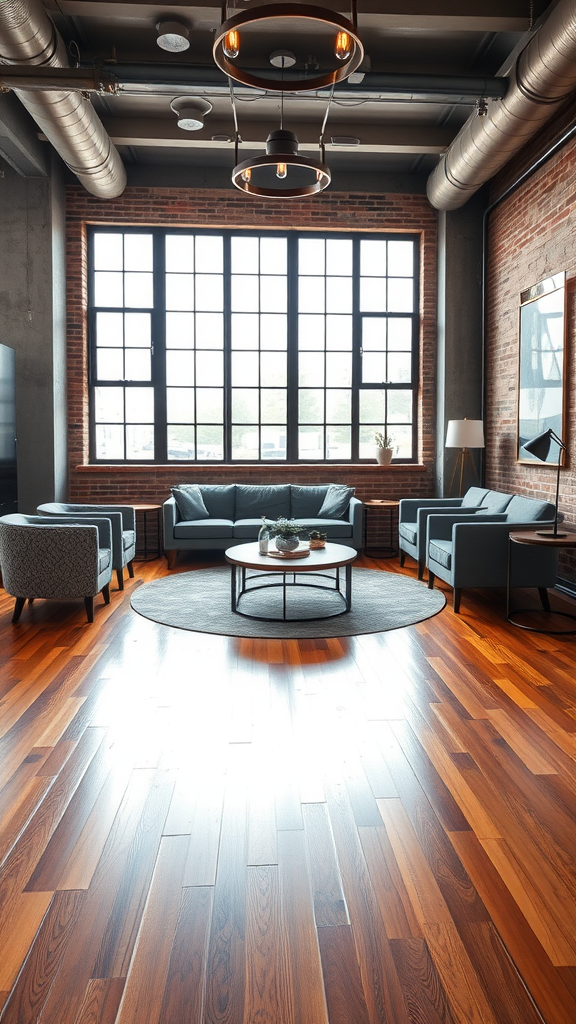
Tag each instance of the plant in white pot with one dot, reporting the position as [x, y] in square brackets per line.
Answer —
[384, 448]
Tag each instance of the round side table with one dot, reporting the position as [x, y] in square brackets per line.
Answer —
[390, 508]
[542, 539]
[145, 511]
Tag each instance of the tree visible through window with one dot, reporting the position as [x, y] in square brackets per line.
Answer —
[240, 346]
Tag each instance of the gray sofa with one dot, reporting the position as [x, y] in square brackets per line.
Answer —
[233, 514]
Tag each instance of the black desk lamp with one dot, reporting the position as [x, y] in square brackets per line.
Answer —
[539, 446]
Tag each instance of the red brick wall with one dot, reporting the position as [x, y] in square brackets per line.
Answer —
[225, 208]
[531, 236]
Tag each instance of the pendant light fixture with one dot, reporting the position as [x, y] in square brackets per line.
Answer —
[325, 44]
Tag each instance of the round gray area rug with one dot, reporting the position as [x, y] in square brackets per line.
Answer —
[200, 601]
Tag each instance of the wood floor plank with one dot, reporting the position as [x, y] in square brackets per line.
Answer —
[425, 995]
[184, 991]
[269, 994]
[101, 1001]
[329, 903]
[342, 981]
[400, 921]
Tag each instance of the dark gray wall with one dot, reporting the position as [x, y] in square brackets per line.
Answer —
[32, 319]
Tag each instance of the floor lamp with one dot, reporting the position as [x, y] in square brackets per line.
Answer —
[539, 446]
[464, 434]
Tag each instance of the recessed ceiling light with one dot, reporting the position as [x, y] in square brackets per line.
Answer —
[173, 36]
[190, 112]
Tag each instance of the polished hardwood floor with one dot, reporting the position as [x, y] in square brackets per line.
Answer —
[203, 830]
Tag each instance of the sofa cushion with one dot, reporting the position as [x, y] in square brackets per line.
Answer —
[441, 551]
[306, 502]
[256, 500]
[204, 529]
[188, 498]
[495, 501]
[104, 557]
[528, 510]
[409, 532]
[474, 496]
[331, 527]
[337, 501]
[128, 539]
[219, 500]
[248, 529]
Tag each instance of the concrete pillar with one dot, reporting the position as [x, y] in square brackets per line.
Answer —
[32, 322]
[459, 388]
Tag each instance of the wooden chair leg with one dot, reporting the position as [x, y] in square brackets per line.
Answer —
[106, 593]
[20, 602]
[120, 578]
[89, 606]
[544, 598]
[171, 556]
[130, 570]
[402, 555]
[431, 579]
[456, 599]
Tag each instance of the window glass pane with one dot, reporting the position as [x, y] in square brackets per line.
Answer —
[210, 443]
[108, 250]
[338, 369]
[399, 368]
[138, 290]
[372, 257]
[245, 405]
[400, 259]
[273, 330]
[245, 293]
[311, 256]
[339, 295]
[373, 368]
[108, 289]
[311, 294]
[399, 333]
[245, 443]
[109, 405]
[272, 370]
[209, 368]
[311, 331]
[338, 443]
[273, 442]
[273, 295]
[273, 255]
[179, 291]
[109, 442]
[372, 407]
[244, 255]
[180, 254]
[209, 292]
[400, 406]
[139, 442]
[210, 405]
[138, 254]
[311, 369]
[273, 405]
[180, 368]
[110, 364]
[180, 441]
[209, 330]
[109, 329]
[139, 405]
[245, 330]
[245, 367]
[137, 364]
[401, 295]
[339, 256]
[310, 405]
[402, 437]
[180, 330]
[374, 333]
[209, 254]
[366, 442]
[339, 332]
[372, 295]
[137, 328]
[338, 405]
[180, 405]
[311, 443]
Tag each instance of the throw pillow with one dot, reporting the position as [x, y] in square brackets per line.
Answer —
[336, 502]
[190, 502]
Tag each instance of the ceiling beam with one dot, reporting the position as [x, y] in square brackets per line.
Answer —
[19, 145]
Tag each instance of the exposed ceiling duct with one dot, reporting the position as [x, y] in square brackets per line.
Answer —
[69, 122]
[543, 77]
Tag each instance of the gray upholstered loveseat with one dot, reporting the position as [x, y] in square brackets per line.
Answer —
[232, 514]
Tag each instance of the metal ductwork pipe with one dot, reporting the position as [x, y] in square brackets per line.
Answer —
[69, 122]
[542, 79]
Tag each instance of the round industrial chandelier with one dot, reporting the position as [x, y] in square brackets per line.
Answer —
[325, 45]
[281, 173]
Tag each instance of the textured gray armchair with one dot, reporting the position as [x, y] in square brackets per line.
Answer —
[55, 558]
[123, 519]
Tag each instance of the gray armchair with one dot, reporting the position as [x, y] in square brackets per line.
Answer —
[123, 519]
[413, 515]
[55, 558]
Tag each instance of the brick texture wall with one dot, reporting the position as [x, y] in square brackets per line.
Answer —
[531, 236]
[225, 208]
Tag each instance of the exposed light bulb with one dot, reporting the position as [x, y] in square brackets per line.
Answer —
[319, 176]
[281, 171]
[231, 45]
[247, 174]
[343, 46]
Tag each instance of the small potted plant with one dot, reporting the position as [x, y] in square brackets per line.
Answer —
[317, 540]
[286, 534]
[384, 448]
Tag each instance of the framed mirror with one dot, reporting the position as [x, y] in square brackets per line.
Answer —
[542, 369]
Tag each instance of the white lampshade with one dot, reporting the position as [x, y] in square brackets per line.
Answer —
[465, 434]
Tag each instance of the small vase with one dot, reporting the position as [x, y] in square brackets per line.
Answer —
[384, 456]
[263, 538]
[287, 543]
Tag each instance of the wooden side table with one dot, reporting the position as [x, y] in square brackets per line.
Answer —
[390, 508]
[145, 511]
[544, 540]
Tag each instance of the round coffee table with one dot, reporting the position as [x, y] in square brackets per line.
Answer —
[246, 557]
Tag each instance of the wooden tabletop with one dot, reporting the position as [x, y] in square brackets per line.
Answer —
[381, 503]
[146, 508]
[544, 539]
[329, 557]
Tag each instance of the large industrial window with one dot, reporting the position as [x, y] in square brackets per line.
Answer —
[240, 347]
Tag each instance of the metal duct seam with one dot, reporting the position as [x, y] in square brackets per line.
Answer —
[543, 77]
[67, 120]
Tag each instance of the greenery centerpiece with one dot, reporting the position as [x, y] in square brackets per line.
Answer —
[286, 533]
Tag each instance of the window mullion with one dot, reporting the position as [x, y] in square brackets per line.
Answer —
[292, 397]
[159, 348]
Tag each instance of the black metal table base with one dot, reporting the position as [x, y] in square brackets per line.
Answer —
[239, 581]
[536, 629]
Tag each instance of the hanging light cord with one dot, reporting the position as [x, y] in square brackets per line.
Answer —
[237, 139]
[324, 122]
